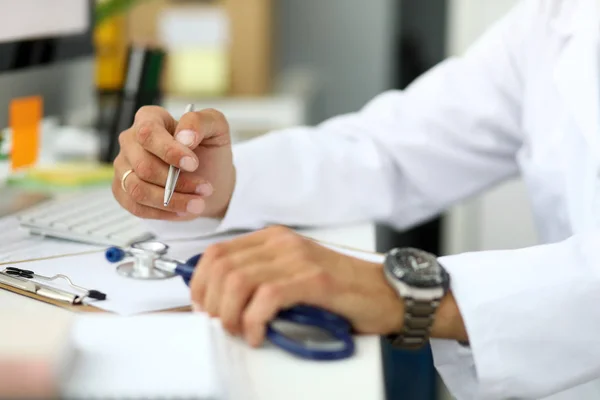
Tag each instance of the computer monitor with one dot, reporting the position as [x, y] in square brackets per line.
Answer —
[53, 61]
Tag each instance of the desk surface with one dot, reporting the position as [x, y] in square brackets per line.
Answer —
[275, 375]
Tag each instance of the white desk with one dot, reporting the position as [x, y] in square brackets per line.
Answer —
[274, 375]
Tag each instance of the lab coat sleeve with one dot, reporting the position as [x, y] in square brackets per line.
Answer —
[405, 157]
[532, 319]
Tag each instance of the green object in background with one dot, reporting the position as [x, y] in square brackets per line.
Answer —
[109, 8]
[5, 166]
[3, 153]
[64, 176]
[153, 71]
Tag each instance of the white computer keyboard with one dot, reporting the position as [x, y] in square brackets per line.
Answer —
[92, 217]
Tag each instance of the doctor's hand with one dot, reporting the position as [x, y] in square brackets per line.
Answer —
[199, 144]
[248, 280]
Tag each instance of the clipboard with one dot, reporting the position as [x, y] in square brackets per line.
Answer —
[88, 308]
[70, 306]
[83, 308]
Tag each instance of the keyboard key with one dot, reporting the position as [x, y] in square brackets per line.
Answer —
[93, 217]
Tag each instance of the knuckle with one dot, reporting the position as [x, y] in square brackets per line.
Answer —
[282, 235]
[143, 111]
[118, 160]
[236, 281]
[294, 240]
[170, 152]
[227, 323]
[136, 210]
[123, 138]
[270, 293]
[116, 189]
[278, 230]
[295, 243]
[217, 115]
[144, 133]
[197, 291]
[186, 184]
[197, 286]
[219, 122]
[322, 281]
[223, 266]
[215, 251]
[137, 192]
[249, 320]
[143, 169]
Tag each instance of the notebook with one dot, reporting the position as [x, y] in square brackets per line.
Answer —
[159, 356]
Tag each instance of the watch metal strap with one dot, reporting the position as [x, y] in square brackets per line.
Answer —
[418, 320]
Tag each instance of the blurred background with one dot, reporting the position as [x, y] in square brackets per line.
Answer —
[86, 66]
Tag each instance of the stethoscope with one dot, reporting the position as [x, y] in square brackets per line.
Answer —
[304, 331]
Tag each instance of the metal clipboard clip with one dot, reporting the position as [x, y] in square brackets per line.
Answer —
[24, 280]
[41, 290]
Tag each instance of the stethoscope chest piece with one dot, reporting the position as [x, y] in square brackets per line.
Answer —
[145, 255]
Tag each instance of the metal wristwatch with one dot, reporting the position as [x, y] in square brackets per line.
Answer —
[421, 281]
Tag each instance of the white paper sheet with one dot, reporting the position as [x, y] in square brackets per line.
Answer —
[125, 296]
[27, 19]
[145, 357]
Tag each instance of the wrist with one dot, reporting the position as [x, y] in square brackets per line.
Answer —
[222, 211]
[394, 321]
[448, 322]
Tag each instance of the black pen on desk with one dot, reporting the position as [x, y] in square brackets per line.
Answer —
[173, 172]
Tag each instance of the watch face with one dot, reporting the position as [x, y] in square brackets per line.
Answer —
[417, 268]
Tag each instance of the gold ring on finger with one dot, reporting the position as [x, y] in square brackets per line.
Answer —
[125, 175]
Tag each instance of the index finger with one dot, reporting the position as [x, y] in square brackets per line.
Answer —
[153, 127]
[208, 127]
[158, 115]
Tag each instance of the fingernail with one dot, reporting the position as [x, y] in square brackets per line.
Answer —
[204, 189]
[196, 307]
[186, 137]
[195, 206]
[188, 163]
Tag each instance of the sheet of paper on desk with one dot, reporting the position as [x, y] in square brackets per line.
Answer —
[150, 356]
[125, 296]
[17, 245]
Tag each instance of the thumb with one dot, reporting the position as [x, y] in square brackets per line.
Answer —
[208, 127]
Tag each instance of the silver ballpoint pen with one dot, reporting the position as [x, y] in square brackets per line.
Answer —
[173, 172]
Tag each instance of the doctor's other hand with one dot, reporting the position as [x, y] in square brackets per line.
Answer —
[246, 281]
[199, 144]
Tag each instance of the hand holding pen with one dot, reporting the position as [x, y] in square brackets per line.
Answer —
[175, 170]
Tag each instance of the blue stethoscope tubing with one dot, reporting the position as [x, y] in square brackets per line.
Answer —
[335, 325]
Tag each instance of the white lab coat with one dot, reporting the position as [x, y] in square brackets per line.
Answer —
[524, 100]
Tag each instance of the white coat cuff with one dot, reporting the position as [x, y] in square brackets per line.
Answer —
[470, 371]
[243, 210]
